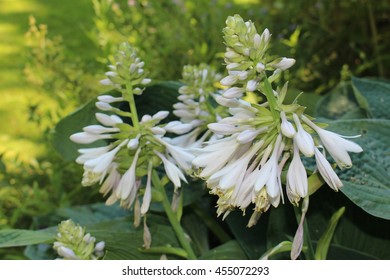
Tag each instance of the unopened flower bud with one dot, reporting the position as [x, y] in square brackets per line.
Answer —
[229, 80]
[251, 85]
[286, 127]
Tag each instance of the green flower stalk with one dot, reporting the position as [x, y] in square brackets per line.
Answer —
[73, 243]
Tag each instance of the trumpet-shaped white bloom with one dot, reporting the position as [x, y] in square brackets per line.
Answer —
[327, 171]
[296, 183]
[336, 145]
[286, 127]
[303, 139]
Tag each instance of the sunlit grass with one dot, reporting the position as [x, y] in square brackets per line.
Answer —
[20, 137]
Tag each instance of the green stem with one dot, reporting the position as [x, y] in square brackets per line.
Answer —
[129, 97]
[375, 39]
[211, 224]
[173, 218]
[269, 94]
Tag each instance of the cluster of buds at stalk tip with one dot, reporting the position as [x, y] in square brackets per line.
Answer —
[133, 149]
[246, 58]
[259, 141]
[194, 108]
[73, 243]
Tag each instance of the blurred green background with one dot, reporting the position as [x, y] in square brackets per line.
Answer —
[53, 53]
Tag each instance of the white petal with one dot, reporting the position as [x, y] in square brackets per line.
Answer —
[234, 92]
[327, 172]
[285, 63]
[98, 129]
[173, 172]
[286, 127]
[87, 138]
[105, 119]
[160, 115]
[109, 98]
[229, 80]
[303, 139]
[251, 85]
[103, 106]
[148, 192]
[127, 183]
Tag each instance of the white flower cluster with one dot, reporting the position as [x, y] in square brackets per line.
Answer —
[127, 70]
[194, 108]
[74, 244]
[257, 141]
[132, 150]
[246, 57]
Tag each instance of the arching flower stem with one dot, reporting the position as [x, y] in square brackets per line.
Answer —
[172, 217]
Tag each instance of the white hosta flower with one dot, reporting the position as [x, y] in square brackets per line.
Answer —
[303, 139]
[178, 127]
[99, 129]
[285, 63]
[336, 145]
[90, 153]
[66, 253]
[229, 80]
[133, 143]
[173, 172]
[112, 181]
[128, 180]
[182, 156]
[109, 98]
[87, 138]
[145, 81]
[269, 175]
[104, 106]
[296, 182]
[214, 156]
[251, 85]
[108, 120]
[227, 102]
[327, 172]
[106, 82]
[233, 92]
[157, 130]
[260, 67]
[147, 198]
[160, 115]
[233, 174]
[249, 135]
[286, 127]
[223, 129]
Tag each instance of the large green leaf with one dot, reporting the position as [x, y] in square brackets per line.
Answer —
[231, 250]
[252, 240]
[358, 232]
[337, 252]
[71, 124]
[197, 231]
[21, 237]
[373, 96]
[367, 182]
[128, 245]
[339, 103]
[324, 242]
[156, 97]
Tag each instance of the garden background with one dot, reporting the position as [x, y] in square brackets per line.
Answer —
[53, 53]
